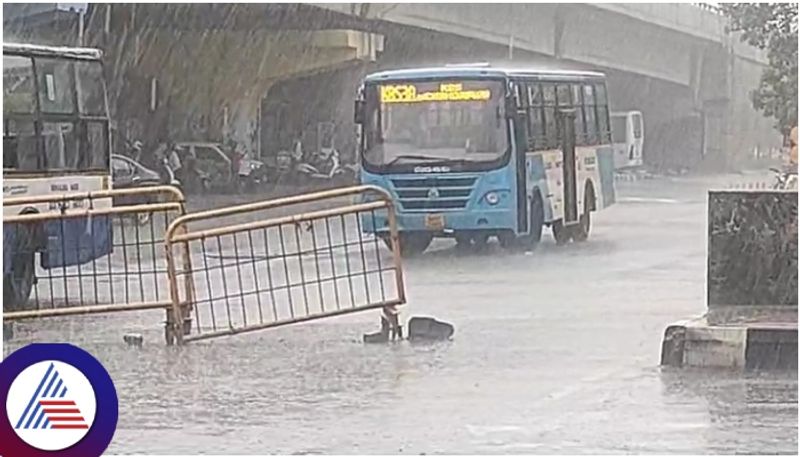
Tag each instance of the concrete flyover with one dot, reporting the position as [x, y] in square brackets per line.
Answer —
[675, 62]
[265, 74]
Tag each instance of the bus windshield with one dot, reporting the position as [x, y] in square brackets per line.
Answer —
[54, 114]
[450, 123]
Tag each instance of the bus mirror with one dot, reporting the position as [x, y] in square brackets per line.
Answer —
[358, 112]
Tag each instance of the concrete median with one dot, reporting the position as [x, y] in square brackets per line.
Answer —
[751, 321]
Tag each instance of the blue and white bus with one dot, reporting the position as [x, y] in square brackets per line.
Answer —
[478, 152]
[55, 142]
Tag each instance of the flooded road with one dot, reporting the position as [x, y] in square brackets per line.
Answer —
[554, 352]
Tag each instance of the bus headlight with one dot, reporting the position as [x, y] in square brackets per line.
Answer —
[492, 198]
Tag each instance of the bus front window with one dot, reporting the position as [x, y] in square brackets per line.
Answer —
[439, 122]
[91, 98]
[18, 85]
[56, 85]
[20, 151]
[19, 137]
[61, 145]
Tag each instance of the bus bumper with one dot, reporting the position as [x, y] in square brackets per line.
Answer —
[444, 223]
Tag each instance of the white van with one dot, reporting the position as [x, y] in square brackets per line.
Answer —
[627, 132]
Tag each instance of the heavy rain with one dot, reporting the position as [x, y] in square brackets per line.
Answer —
[390, 228]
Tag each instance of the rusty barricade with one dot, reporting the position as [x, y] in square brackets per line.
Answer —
[87, 253]
[280, 269]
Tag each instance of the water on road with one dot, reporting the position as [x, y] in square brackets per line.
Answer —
[554, 352]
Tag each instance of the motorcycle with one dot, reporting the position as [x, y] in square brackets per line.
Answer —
[250, 174]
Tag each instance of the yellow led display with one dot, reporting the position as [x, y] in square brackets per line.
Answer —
[450, 92]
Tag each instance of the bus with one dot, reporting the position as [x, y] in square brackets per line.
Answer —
[56, 140]
[477, 152]
[627, 130]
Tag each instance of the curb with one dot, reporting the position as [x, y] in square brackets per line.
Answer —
[764, 346]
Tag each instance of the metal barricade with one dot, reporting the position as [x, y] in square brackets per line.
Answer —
[269, 272]
[97, 252]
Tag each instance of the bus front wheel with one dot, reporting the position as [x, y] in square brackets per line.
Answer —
[412, 244]
[476, 241]
[528, 242]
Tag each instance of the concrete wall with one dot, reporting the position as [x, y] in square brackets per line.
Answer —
[752, 249]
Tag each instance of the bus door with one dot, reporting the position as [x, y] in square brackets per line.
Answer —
[567, 120]
[514, 105]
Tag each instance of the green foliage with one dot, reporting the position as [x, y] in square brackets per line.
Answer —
[772, 27]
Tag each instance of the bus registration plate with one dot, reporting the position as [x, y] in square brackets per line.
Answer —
[434, 222]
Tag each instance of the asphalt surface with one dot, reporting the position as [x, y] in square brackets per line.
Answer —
[554, 352]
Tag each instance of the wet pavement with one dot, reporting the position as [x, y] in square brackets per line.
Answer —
[554, 352]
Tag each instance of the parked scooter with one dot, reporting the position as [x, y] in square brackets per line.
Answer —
[249, 174]
[326, 167]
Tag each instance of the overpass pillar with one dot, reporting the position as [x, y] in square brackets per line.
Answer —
[210, 83]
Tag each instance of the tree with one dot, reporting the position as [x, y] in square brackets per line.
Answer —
[771, 27]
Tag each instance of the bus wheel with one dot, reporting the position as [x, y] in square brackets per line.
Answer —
[560, 233]
[412, 244]
[537, 221]
[463, 242]
[476, 241]
[580, 232]
[18, 283]
[532, 239]
[480, 241]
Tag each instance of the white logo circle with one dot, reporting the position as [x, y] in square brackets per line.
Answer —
[51, 405]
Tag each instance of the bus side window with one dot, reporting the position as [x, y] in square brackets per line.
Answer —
[536, 140]
[603, 123]
[550, 124]
[589, 114]
[580, 122]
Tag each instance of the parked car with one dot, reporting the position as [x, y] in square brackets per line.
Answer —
[127, 173]
[213, 161]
